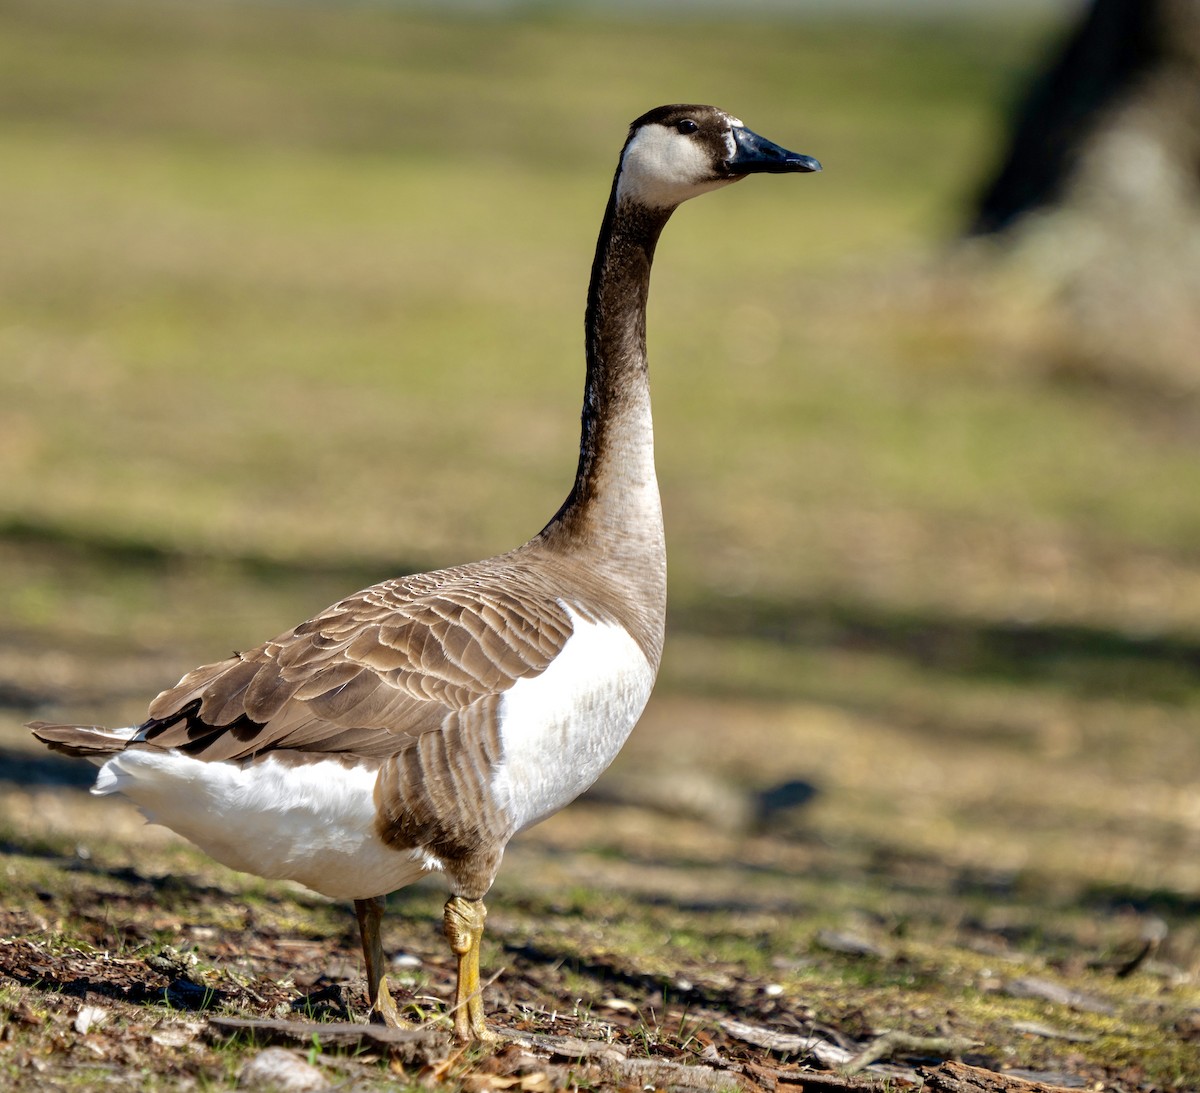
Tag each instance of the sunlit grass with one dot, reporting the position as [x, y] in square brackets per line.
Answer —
[256, 263]
[312, 287]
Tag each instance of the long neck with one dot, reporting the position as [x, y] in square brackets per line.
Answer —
[613, 512]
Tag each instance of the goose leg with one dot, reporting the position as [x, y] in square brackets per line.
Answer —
[463, 921]
[383, 1009]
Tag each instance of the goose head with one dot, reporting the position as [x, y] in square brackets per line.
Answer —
[677, 152]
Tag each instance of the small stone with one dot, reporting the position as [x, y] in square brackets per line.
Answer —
[848, 942]
[278, 1068]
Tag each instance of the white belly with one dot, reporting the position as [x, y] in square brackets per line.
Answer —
[309, 822]
[561, 729]
[315, 822]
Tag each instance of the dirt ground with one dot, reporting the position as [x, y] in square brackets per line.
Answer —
[761, 895]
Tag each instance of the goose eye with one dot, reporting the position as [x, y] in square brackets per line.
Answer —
[686, 126]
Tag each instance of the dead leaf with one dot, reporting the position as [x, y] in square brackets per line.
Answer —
[90, 1017]
[175, 1035]
[483, 1083]
[618, 1005]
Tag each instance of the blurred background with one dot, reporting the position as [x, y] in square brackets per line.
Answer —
[291, 300]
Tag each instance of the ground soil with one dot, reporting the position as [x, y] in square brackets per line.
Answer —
[762, 894]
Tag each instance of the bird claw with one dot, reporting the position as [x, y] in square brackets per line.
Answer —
[384, 1010]
[485, 1035]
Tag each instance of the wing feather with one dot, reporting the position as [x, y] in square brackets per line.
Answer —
[225, 705]
[396, 661]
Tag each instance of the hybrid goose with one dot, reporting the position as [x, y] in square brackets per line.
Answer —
[419, 724]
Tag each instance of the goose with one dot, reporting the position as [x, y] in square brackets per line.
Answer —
[419, 724]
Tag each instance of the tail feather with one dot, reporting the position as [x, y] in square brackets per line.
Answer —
[87, 741]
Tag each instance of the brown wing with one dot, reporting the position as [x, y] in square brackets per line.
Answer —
[371, 672]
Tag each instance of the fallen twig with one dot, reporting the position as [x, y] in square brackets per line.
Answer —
[889, 1043]
[570, 1048]
[809, 1046]
[785, 1043]
[404, 1043]
[1036, 1028]
[957, 1078]
[1030, 986]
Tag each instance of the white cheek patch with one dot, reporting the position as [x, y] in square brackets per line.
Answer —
[663, 167]
[730, 143]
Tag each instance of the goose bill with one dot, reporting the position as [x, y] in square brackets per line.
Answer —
[757, 155]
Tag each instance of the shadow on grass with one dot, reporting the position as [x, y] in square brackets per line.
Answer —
[1166, 903]
[82, 975]
[163, 889]
[896, 881]
[92, 546]
[1101, 662]
[24, 768]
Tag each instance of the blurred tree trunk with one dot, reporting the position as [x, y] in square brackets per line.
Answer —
[1097, 200]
